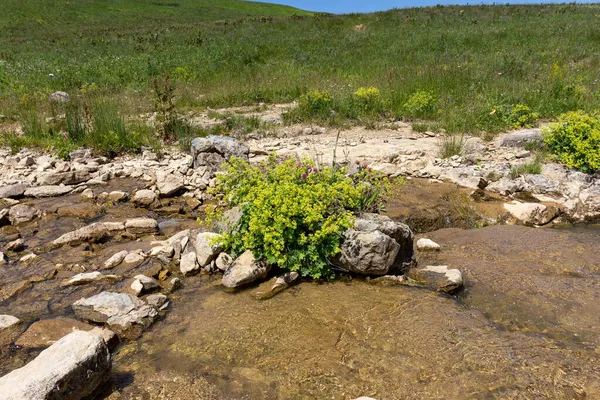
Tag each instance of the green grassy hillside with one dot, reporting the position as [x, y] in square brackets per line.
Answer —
[22, 20]
[473, 69]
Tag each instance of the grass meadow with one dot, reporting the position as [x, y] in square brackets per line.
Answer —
[475, 69]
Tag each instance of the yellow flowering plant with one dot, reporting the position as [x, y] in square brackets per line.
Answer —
[295, 213]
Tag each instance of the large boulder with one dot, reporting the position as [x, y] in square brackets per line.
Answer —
[376, 246]
[70, 369]
[213, 150]
[367, 253]
[244, 270]
[125, 314]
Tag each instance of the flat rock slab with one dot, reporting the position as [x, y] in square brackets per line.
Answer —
[13, 191]
[87, 277]
[125, 314]
[141, 226]
[47, 191]
[81, 210]
[91, 233]
[71, 368]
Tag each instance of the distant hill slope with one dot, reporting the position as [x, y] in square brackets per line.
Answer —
[37, 16]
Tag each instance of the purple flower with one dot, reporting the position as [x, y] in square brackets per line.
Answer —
[365, 164]
[304, 176]
[315, 169]
[299, 165]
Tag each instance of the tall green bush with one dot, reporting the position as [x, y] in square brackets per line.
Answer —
[575, 139]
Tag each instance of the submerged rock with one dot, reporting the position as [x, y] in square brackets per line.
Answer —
[244, 270]
[81, 210]
[125, 314]
[16, 245]
[276, 285]
[21, 213]
[71, 368]
[440, 278]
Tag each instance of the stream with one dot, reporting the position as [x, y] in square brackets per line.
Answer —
[526, 326]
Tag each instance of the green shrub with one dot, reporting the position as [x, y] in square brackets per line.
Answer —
[294, 214]
[369, 100]
[575, 140]
[316, 104]
[514, 116]
[420, 104]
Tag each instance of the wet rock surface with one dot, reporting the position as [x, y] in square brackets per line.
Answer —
[72, 368]
[123, 313]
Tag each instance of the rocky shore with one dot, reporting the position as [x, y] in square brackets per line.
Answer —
[99, 246]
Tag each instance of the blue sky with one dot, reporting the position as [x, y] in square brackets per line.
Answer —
[347, 6]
